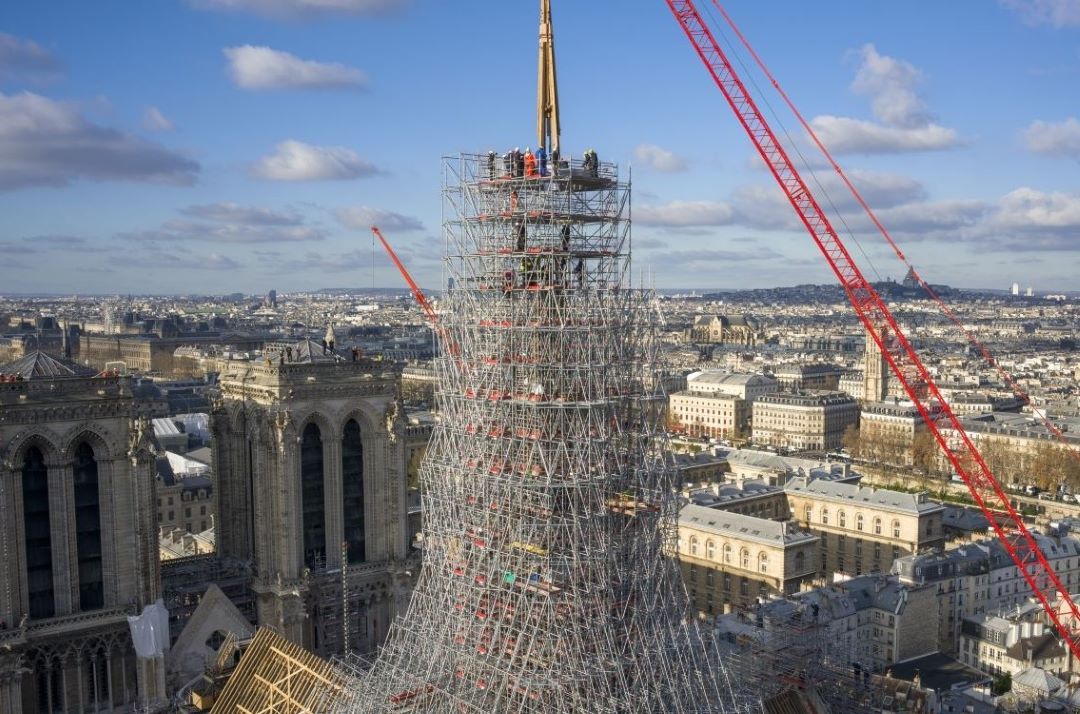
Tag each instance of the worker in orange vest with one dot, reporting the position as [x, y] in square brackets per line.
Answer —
[530, 164]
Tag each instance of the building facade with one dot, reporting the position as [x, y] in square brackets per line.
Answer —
[800, 376]
[733, 560]
[981, 578]
[747, 387]
[895, 433]
[78, 541]
[863, 530]
[803, 421]
[309, 458]
[711, 414]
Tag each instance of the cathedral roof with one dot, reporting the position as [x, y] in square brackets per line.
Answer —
[38, 365]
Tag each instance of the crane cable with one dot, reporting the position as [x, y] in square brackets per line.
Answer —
[807, 166]
[1016, 389]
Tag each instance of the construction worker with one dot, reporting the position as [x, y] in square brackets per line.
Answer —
[508, 164]
[520, 247]
[529, 162]
[591, 163]
[560, 262]
[519, 163]
[491, 165]
[541, 161]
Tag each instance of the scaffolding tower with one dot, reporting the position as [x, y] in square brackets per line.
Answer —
[550, 499]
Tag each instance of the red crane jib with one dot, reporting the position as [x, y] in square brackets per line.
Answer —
[882, 326]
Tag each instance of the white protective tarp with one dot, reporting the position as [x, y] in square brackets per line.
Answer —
[150, 631]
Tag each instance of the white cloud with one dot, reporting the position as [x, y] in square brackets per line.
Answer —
[363, 217]
[25, 58]
[685, 214]
[47, 143]
[179, 231]
[658, 158]
[1056, 13]
[253, 67]
[904, 124]
[154, 120]
[890, 83]
[303, 9]
[1029, 209]
[1054, 138]
[926, 220]
[296, 161]
[242, 215]
[843, 135]
[230, 223]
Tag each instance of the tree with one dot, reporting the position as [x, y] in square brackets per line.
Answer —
[1002, 684]
[926, 455]
[851, 441]
[1053, 466]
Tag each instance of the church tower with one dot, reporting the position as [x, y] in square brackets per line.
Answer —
[875, 372]
[78, 542]
[309, 456]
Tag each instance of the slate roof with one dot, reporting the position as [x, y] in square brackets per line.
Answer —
[38, 365]
[855, 494]
[750, 528]
[1032, 649]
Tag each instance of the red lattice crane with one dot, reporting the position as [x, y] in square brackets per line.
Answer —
[882, 326]
[421, 299]
[418, 294]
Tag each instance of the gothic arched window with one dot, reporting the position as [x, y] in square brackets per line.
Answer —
[352, 485]
[311, 495]
[39, 573]
[88, 528]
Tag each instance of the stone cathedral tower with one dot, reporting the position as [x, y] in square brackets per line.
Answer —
[309, 456]
[78, 543]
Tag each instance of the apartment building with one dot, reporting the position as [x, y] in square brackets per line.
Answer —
[745, 386]
[712, 414]
[888, 432]
[998, 645]
[796, 377]
[804, 421]
[981, 578]
[871, 621]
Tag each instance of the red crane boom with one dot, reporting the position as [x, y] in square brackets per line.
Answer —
[881, 325]
[421, 299]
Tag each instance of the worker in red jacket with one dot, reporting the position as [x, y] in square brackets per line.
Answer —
[530, 164]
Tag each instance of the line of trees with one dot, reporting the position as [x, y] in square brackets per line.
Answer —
[1048, 465]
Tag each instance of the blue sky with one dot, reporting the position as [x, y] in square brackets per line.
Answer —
[212, 146]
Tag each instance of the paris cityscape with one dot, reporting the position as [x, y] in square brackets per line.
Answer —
[346, 367]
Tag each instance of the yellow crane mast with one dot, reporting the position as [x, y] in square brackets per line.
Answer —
[547, 91]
